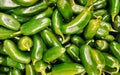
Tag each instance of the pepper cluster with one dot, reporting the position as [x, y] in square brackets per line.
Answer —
[60, 37]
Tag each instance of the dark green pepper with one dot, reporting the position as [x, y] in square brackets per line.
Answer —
[3, 60]
[31, 10]
[106, 17]
[16, 72]
[8, 4]
[25, 43]
[116, 23]
[112, 64]
[87, 60]
[65, 9]
[82, 2]
[100, 12]
[9, 22]
[114, 8]
[29, 69]
[78, 23]
[37, 49]
[92, 28]
[4, 69]
[73, 52]
[53, 53]
[67, 69]
[15, 53]
[25, 3]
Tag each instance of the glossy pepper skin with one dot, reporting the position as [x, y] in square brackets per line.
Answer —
[25, 3]
[112, 64]
[67, 69]
[8, 4]
[31, 10]
[29, 69]
[65, 9]
[53, 53]
[4, 69]
[16, 72]
[87, 60]
[73, 52]
[57, 22]
[115, 48]
[114, 8]
[117, 23]
[78, 23]
[9, 22]
[37, 49]
[106, 17]
[91, 28]
[100, 12]
[15, 53]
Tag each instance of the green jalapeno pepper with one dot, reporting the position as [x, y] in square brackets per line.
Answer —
[8, 4]
[116, 23]
[78, 23]
[29, 70]
[92, 27]
[99, 60]
[87, 60]
[67, 69]
[114, 8]
[15, 53]
[25, 3]
[53, 53]
[112, 64]
[38, 48]
[65, 9]
[9, 22]
[12, 63]
[16, 72]
[73, 52]
[3, 60]
[25, 43]
[31, 10]
[115, 48]
[4, 69]
[100, 12]
[108, 38]
[106, 17]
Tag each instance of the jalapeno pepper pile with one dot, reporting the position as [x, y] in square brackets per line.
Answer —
[59, 37]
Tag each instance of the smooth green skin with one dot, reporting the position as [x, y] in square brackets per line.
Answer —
[87, 60]
[109, 38]
[117, 23]
[111, 63]
[52, 2]
[25, 2]
[53, 53]
[3, 60]
[65, 40]
[92, 28]
[40, 66]
[8, 4]
[49, 38]
[29, 69]
[65, 9]
[4, 69]
[31, 10]
[16, 72]
[100, 4]
[57, 22]
[82, 2]
[102, 32]
[101, 45]
[115, 48]
[35, 26]
[76, 8]
[47, 13]
[9, 22]
[77, 40]
[99, 60]
[37, 49]
[106, 17]
[2, 50]
[114, 8]
[78, 23]
[15, 53]
[5, 33]
[25, 43]
[67, 69]
[100, 12]
[21, 19]
[108, 26]
[12, 63]
[73, 52]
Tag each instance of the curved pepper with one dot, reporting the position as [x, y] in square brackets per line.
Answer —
[9, 22]
[15, 53]
[25, 3]
[87, 60]
[116, 23]
[67, 69]
[29, 70]
[37, 49]
[106, 17]
[100, 12]
[109, 38]
[16, 72]
[78, 23]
